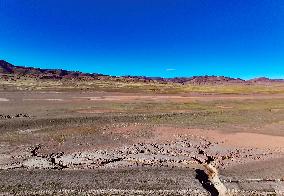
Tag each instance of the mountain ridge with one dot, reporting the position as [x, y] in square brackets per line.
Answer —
[7, 68]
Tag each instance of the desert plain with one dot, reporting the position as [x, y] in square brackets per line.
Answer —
[57, 138]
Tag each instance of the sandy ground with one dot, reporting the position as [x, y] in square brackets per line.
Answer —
[100, 148]
[242, 140]
[103, 96]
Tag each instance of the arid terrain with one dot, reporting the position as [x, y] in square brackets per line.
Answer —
[133, 136]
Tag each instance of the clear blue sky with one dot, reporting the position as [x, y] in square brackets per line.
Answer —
[238, 38]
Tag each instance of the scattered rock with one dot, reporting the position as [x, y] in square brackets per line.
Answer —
[8, 116]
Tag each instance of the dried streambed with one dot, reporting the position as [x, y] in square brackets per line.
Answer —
[192, 155]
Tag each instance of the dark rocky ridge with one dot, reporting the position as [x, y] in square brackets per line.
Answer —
[7, 69]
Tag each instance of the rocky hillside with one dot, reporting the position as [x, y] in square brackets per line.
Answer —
[265, 80]
[9, 70]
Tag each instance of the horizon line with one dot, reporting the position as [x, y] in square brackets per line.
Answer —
[147, 76]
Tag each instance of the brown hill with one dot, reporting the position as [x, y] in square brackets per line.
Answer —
[9, 69]
[21, 71]
[265, 80]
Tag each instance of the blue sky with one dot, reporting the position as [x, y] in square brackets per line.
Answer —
[168, 38]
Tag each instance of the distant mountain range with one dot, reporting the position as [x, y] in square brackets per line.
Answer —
[9, 70]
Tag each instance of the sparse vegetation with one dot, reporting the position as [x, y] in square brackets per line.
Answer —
[26, 83]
